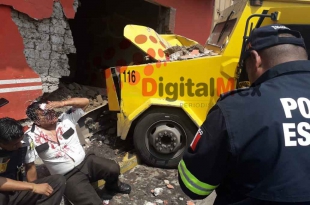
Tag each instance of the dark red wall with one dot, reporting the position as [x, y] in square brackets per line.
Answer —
[13, 64]
[39, 9]
[193, 17]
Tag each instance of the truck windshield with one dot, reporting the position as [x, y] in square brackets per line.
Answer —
[220, 32]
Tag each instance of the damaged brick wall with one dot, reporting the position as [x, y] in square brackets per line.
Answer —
[47, 43]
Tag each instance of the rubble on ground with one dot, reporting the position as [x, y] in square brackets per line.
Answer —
[183, 53]
[144, 180]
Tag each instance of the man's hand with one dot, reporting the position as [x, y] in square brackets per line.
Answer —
[44, 189]
[54, 104]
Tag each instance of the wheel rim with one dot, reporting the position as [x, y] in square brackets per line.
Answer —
[165, 139]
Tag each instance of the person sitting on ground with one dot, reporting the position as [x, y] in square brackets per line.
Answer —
[57, 144]
[14, 152]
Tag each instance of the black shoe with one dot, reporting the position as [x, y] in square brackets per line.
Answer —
[122, 188]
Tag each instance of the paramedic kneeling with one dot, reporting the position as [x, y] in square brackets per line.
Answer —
[254, 148]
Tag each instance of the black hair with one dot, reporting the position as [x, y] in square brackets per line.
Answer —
[31, 111]
[10, 130]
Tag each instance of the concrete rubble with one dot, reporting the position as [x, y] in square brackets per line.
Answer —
[175, 53]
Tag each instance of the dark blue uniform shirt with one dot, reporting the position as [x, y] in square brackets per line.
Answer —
[254, 146]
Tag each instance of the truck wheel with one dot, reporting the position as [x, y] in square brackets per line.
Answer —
[161, 137]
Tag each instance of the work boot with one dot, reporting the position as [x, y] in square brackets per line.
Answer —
[120, 187]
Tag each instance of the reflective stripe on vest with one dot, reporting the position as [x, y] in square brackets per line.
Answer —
[192, 183]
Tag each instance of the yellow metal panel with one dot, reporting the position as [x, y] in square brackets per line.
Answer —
[290, 1]
[123, 125]
[147, 40]
[243, 10]
[126, 122]
[194, 85]
[300, 13]
[111, 91]
[177, 40]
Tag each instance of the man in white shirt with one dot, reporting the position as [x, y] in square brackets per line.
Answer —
[14, 152]
[57, 144]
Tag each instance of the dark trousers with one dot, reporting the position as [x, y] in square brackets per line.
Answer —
[79, 191]
[57, 182]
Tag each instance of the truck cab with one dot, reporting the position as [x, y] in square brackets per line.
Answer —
[162, 103]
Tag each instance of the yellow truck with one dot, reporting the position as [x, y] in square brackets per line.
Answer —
[162, 103]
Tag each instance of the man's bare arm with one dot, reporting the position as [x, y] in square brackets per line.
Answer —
[31, 172]
[74, 102]
[77, 102]
[12, 185]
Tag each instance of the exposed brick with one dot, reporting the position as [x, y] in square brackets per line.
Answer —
[44, 28]
[42, 70]
[31, 62]
[55, 21]
[29, 43]
[46, 44]
[29, 53]
[57, 48]
[69, 40]
[57, 30]
[36, 54]
[43, 46]
[14, 15]
[56, 39]
[43, 63]
[55, 55]
[52, 88]
[45, 55]
[44, 37]
[68, 33]
[58, 13]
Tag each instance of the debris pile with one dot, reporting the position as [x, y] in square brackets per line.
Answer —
[96, 96]
[160, 191]
[182, 52]
[99, 125]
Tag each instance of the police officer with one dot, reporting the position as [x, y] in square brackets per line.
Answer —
[13, 153]
[253, 147]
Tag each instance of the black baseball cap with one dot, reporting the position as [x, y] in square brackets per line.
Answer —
[268, 36]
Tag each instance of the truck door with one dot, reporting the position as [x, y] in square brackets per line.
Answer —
[295, 17]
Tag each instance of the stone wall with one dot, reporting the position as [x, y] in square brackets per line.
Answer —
[47, 43]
